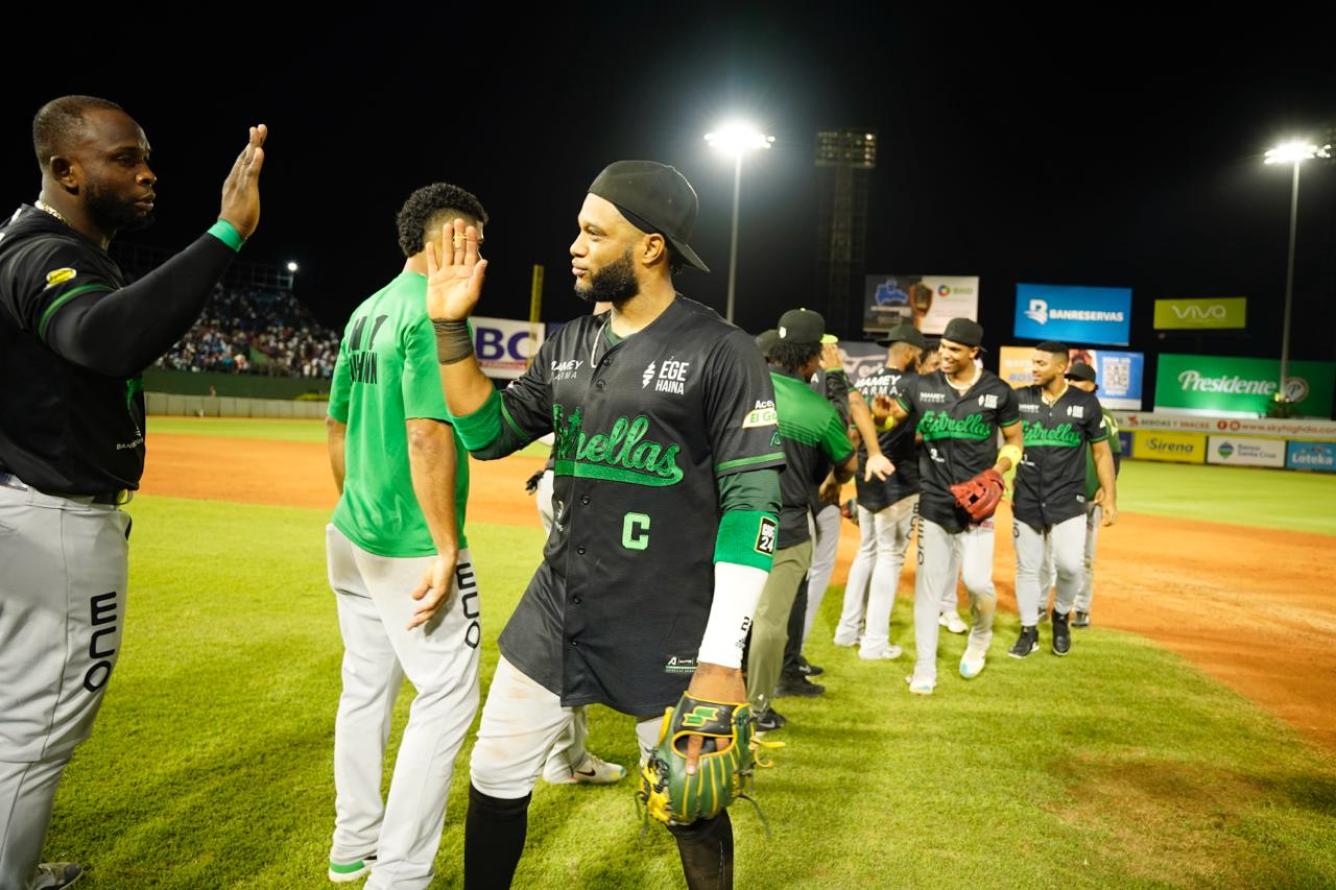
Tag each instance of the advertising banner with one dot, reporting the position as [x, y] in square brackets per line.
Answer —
[1240, 387]
[1013, 365]
[503, 345]
[1211, 314]
[1319, 456]
[1245, 452]
[1317, 430]
[1074, 314]
[929, 301]
[1183, 448]
[1119, 374]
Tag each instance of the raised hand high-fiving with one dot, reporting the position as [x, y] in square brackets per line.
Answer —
[241, 189]
[454, 272]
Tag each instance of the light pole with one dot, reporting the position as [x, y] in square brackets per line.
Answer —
[1295, 152]
[736, 139]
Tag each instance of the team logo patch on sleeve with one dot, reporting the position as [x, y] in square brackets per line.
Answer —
[760, 416]
[59, 276]
[765, 536]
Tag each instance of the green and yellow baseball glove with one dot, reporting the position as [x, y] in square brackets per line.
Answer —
[723, 772]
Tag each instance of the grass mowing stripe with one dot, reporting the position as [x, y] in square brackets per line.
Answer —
[1120, 765]
[1237, 495]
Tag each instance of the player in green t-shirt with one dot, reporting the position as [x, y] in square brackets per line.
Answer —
[399, 565]
[1082, 376]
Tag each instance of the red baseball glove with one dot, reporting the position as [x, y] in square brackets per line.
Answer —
[979, 496]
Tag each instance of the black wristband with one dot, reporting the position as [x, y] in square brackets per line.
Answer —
[454, 343]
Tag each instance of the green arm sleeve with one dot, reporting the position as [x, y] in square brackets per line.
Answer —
[749, 525]
[488, 433]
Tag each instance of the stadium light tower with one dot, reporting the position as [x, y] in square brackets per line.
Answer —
[736, 139]
[1294, 152]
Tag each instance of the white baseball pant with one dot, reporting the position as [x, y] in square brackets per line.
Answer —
[1067, 540]
[63, 574]
[938, 553]
[440, 659]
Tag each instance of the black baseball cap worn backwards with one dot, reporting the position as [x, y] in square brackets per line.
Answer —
[655, 198]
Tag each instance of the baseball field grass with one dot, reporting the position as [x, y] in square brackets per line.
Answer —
[1119, 766]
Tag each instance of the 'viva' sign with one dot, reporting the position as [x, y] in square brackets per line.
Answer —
[1208, 314]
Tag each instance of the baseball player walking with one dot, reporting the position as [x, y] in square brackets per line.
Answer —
[816, 445]
[667, 483]
[74, 338]
[403, 484]
[832, 383]
[928, 361]
[1049, 503]
[960, 409]
[886, 508]
[1082, 376]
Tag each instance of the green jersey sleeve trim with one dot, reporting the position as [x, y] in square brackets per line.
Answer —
[515, 427]
[747, 538]
[482, 427]
[1003, 426]
[730, 466]
[61, 301]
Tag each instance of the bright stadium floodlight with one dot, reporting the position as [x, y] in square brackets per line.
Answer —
[1295, 152]
[737, 139]
[292, 267]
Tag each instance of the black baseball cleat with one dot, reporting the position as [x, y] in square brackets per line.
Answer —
[1081, 619]
[807, 669]
[1026, 643]
[770, 721]
[54, 875]
[799, 687]
[1062, 635]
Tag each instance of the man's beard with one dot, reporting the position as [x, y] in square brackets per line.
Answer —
[614, 283]
[113, 214]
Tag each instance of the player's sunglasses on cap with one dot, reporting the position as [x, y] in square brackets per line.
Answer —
[802, 327]
[656, 199]
[904, 333]
[964, 331]
[1081, 371]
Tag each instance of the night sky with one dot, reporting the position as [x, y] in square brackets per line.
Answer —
[1123, 152]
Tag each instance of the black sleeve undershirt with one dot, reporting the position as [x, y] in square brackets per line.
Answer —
[123, 332]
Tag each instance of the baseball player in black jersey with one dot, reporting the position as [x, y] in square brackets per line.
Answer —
[74, 337]
[665, 503]
[885, 507]
[959, 411]
[928, 361]
[1060, 422]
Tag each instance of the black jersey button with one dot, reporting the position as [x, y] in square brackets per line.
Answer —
[576, 600]
[599, 384]
[575, 644]
[584, 499]
[580, 550]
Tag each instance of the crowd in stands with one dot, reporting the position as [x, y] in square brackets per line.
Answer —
[253, 331]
